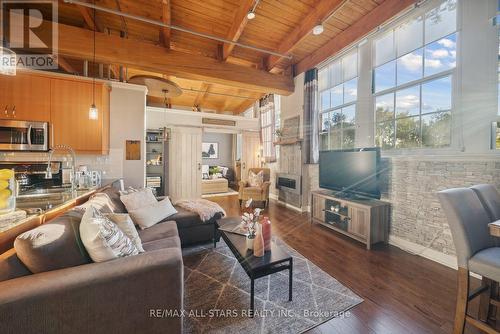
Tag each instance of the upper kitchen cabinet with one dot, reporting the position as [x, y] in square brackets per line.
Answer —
[69, 116]
[25, 97]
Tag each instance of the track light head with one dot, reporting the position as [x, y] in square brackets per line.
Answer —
[318, 29]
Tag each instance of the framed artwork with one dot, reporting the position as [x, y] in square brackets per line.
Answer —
[210, 150]
[133, 150]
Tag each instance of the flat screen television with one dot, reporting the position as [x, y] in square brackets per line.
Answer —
[351, 173]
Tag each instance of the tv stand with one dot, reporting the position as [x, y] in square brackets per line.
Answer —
[363, 219]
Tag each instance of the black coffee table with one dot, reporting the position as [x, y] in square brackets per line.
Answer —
[272, 262]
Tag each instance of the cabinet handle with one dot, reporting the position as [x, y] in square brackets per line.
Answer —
[199, 166]
[244, 165]
[6, 111]
[14, 112]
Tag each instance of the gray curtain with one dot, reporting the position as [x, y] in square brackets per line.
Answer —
[311, 122]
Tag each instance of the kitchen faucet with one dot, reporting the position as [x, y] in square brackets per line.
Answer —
[67, 148]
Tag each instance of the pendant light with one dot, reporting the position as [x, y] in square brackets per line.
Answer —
[93, 112]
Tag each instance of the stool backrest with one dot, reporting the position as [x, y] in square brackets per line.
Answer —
[490, 197]
[468, 222]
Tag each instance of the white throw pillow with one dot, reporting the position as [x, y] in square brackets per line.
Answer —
[256, 180]
[100, 201]
[103, 239]
[126, 224]
[150, 215]
[138, 199]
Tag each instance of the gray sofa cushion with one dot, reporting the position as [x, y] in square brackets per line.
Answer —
[170, 242]
[11, 266]
[53, 245]
[159, 231]
[185, 218]
[486, 263]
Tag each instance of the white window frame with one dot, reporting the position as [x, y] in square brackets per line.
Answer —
[452, 73]
[325, 65]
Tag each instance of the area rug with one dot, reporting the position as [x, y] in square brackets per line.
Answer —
[217, 295]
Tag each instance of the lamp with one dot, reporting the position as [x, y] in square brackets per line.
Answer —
[7, 61]
[93, 112]
[318, 29]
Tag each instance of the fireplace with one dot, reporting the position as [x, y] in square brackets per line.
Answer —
[289, 189]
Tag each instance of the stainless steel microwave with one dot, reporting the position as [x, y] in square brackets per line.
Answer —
[23, 136]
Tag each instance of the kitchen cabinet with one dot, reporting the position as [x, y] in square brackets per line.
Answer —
[25, 97]
[70, 101]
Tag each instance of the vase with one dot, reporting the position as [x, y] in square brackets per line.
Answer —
[258, 242]
[266, 233]
[250, 239]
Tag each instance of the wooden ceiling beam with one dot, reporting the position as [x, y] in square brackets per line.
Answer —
[322, 10]
[360, 28]
[165, 18]
[77, 43]
[88, 17]
[240, 20]
[202, 94]
[62, 63]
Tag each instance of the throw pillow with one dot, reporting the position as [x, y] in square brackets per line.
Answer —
[138, 199]
[128, 190]
[103, 239]
[256, 180]
[53, 245]
[114, 196]
[100, 201]
[148, 216]
[126, 224]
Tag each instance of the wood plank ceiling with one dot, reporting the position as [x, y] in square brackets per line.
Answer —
[281, 26]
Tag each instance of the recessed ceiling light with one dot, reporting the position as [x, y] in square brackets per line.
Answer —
[318, 29]
[251, 15]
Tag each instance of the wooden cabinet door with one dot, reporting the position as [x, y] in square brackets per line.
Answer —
[26, 97]
[70, 103]
[318, 208]
[358, 224]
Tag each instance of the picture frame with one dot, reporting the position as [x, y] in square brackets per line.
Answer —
[210, 150]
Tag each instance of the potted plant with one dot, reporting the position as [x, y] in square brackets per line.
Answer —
[249, 219]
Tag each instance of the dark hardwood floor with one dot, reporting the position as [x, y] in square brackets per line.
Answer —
[402, 293]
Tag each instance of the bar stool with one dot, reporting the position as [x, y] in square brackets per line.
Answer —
[476, 252]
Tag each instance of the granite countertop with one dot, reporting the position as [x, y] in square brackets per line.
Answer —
[40, 202]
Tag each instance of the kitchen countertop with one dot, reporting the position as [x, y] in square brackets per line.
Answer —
[44, 203]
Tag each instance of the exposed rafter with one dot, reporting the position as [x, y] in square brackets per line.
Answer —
[62, 63]
[240, 20]
[362, 27]
[322, 11]
[89, 19]
[165, 18]
[76, 43]
[202, 94]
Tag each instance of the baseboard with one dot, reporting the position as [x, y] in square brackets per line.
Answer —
[274, 197]
[431, 254]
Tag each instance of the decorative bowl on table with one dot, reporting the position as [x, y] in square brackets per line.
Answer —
[7, 195]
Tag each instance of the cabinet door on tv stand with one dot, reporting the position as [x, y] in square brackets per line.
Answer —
[318, 208]
[359, 222]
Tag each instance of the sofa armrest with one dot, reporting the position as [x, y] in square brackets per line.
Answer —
[242, 184]
[113, 296]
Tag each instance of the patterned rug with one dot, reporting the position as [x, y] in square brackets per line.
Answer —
[217, 295]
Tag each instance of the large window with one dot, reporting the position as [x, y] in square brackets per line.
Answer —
[338, 93]
[413, 80]
[267, 121]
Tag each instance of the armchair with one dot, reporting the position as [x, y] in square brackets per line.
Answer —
[255, 193]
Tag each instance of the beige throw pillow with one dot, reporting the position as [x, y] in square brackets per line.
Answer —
[150, 215]
[256, 180]
[126, 224]
[103, 239]
[138, 199]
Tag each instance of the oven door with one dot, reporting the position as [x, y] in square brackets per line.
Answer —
[23, 136]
